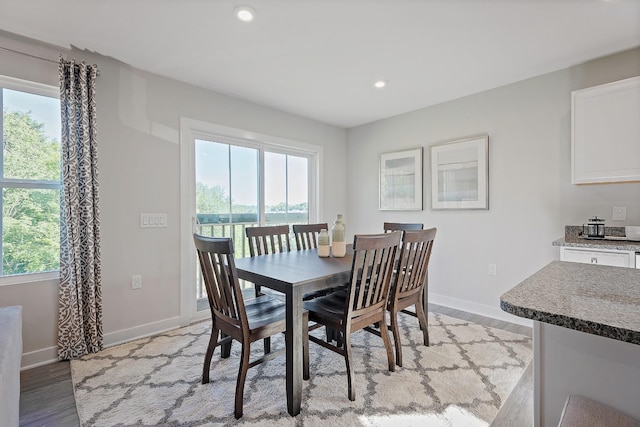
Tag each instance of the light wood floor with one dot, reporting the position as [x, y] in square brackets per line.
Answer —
[46, 397]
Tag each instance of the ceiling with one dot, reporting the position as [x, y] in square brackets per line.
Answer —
[319, 58]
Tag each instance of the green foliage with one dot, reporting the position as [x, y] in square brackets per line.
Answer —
[31, 217]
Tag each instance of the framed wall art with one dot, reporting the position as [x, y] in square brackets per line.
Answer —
[460, 174]
[401, 180]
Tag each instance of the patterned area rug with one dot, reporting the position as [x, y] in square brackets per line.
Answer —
[462, 379]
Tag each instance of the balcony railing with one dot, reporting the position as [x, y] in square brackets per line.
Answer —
[234, 225]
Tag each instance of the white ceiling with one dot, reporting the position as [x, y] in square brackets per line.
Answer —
[319, 58]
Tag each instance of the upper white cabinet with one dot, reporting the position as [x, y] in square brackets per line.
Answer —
[605, 133]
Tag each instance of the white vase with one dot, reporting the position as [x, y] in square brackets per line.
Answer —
[324, 246]
[339, 245]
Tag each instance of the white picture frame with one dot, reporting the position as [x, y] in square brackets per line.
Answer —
[400, 180]
[460, 174]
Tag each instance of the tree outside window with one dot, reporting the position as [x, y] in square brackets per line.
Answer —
[30, 183]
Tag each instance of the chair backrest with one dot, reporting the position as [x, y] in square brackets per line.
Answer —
[307, 234]
[268, 240]
[401, 226]
[221, 280]
[413, 262]
[371, 271]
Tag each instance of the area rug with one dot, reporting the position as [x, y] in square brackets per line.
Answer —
[461, 379]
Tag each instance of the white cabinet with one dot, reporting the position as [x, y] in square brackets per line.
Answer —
[611, 257]
[605, 133]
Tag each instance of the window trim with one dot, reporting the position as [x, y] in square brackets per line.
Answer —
[190, 130]
[12, 83]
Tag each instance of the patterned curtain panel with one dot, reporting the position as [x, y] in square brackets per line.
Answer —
[80, 300]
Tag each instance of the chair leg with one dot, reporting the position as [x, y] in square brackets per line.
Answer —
[422, 318]
[225, 349]
[267, 345]
[213, 342]
[384, 333]
[338, 337]
[347, 358]
[242, 376]
[396, 337]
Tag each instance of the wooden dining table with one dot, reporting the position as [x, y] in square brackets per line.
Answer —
[294, 274]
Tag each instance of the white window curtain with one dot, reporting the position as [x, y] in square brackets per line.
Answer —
[80, 299]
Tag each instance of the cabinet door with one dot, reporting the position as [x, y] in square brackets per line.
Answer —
[605, 133]
[615, 259]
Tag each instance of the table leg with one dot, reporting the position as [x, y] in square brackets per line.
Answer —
[294, 350]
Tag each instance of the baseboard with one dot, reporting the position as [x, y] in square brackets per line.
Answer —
[141, 331]
[49, 355]
[36, 358]
[479, 309]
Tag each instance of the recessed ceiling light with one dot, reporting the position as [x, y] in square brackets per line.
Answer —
[379, 84]
[245, 14]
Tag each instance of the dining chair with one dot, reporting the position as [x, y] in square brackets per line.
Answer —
[307, 234]
[267, 240]
[233, 318]
[404, 226]
[409, 282]
[365, 301]
[401, 226]
[307, 238]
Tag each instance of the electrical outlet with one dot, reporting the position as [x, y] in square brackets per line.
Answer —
[136, 282]
[619, 213]
[491, 270]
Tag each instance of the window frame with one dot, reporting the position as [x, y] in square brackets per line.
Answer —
[190, 130]
[12, 83]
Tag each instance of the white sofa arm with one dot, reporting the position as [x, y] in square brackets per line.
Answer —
[10, 359]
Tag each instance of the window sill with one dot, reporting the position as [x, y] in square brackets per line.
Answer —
[29, 278]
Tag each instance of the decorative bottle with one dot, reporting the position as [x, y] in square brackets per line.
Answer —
[323, 243]
[339, 245]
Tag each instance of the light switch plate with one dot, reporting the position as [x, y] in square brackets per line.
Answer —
[153, 220]
[619, 213]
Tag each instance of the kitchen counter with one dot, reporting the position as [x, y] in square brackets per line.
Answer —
[596, 299]
[586, 335]
[581, 242]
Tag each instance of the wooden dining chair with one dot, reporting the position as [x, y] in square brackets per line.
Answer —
[409, 282]
[267, 240]
[233, 318]
[401, 226]
[307, 234]
[404, 226]
[307, 238]
[365, 301]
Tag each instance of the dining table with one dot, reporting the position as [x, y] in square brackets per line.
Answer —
[295, 274]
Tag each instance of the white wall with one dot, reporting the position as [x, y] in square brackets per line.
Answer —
[139, 166]
[531, 197]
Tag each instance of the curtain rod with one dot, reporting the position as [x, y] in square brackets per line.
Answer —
[34, 56]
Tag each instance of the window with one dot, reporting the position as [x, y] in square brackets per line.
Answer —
[234, 179]
[228, 189]
[29, 178]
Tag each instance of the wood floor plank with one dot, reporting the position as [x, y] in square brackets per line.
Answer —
[46, 397]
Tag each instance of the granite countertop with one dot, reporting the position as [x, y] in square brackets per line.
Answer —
[596, 299]
[581, 242]
[573, 238]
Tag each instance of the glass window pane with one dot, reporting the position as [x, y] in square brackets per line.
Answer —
[31, 136]
[244, 184]
[212, 182]
[298, 189]
[275, 188]
[30, 230]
